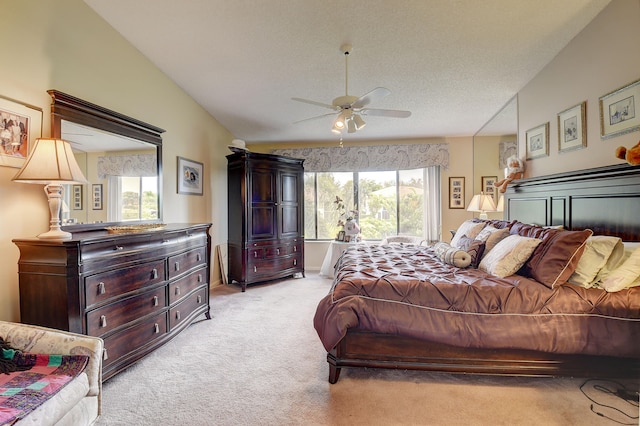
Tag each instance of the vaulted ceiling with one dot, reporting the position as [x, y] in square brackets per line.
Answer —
[452, 63]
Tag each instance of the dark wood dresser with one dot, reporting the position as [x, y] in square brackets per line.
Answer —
[266, 217]
[134, 290]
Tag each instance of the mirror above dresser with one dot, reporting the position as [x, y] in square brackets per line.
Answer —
[120, 156]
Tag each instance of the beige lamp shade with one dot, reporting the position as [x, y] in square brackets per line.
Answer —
[51, 163]
[482, 203]
[50, 160]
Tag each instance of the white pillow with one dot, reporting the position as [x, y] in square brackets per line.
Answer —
[468, 228]
[625, 276]
[509, 255]
[598, 249]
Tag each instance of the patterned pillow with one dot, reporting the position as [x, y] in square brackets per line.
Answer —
[492, 236]
[508, 255]
[452, 255]
[474, 247]
[468, 228]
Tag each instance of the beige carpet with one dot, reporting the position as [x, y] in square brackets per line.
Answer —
[260, 362]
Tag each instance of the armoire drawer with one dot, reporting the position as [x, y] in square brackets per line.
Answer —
[102, 320]
[183, 262]
[132, 338]
[257, 269]
[183, 286]
[104, 286]
[182, 310]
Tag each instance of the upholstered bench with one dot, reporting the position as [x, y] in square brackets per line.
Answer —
[78, 401]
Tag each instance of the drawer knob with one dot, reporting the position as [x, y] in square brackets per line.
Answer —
[177, 291]
[277, 251]
[156, 328]
[119, 248]
[178, 315]
[198, 257]
[255, 254]
[154, 274]
[295, 262]
[105, 355]
[103, 321]
[177, 266]
[199, 278]
[255, 269]
[101, 289]
[199, 299]
[295, 249]
[155, 300]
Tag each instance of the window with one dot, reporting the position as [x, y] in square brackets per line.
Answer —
[388, 203]
[137, 196]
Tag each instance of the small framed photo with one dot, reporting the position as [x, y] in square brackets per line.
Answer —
[572, 130]
[456, 192]
[538, 141]
[77, 197]
[347, 238]
[97, 196]
[340, 236]
[20, 125]
[488, 188]
[190, 175]
[618, 113]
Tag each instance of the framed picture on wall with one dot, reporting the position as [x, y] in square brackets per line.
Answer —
[572, 130]
[488, 188]
[97, 196]
[190, 175]
[456, 192]
[77, 197]
[618, 113]
[537, 141]
[20, 125]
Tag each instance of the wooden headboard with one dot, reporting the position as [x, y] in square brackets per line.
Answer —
[604, 199]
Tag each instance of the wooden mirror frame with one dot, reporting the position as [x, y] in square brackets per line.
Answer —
[70, 108]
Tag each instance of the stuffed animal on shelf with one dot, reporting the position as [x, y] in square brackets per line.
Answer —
[514, 170]
[631, 155]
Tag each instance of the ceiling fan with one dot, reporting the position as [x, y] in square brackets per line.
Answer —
[350, 109]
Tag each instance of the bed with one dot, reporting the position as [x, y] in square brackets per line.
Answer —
[410, 307]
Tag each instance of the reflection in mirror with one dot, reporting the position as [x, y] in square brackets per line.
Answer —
[122, 173]
[496, 141]
[121, 158]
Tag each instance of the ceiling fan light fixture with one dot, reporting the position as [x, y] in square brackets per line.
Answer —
[351, 126]
[358, 122]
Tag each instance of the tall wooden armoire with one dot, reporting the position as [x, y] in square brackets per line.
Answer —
[266, 217]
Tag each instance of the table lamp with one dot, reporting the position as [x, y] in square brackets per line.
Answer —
[482, 203]
[52, 163]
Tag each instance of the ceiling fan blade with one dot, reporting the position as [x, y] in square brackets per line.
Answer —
[374, 95]
[396, 113]
[314, 118]
[320, 104]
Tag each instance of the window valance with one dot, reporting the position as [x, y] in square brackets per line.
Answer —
[370, 158]
[138, 165]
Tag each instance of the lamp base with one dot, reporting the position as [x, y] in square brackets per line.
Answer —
[483, 215]
[54, 193]
[55, 234]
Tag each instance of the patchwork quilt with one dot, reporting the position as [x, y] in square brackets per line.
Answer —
[23, 391]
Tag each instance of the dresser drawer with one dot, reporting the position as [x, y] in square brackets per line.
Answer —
[110, 317]
[182, 311]
[279, 266]
[134, 337]
[183, 286]
[107, 285]
[183, 262]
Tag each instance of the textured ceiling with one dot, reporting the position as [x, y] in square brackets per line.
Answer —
[452, 63]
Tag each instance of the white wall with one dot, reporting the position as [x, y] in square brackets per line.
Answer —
[602, 58]
[64, 45]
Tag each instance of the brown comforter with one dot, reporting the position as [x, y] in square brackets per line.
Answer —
[406, 290]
